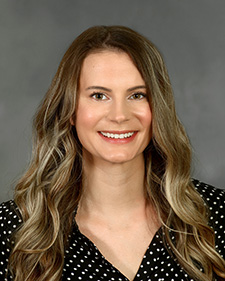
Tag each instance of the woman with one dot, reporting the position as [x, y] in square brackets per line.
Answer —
[108, 194]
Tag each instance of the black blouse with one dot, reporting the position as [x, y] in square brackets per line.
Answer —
[83, 261]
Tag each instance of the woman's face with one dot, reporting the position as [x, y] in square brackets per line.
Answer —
[113, 119]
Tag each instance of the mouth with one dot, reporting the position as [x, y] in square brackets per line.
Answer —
[118, 135]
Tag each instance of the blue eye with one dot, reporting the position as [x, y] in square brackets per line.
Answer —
[99, 96]
[138, 96]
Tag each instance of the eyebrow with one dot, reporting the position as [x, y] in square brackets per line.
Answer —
[109, 90]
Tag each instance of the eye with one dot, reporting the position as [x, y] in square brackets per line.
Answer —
[138, 96]
[99, 96]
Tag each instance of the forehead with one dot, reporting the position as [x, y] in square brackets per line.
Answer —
[109, 65]
[103, 58]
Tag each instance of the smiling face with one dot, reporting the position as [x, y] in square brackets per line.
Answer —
[113, 118]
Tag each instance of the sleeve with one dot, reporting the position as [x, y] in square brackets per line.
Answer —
[9, 222]
[215, 200]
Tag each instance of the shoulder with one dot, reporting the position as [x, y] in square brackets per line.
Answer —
[10, 217]
[215, 200]
[213, 197]
[10, 220]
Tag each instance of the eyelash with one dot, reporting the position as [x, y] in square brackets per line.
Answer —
[93, 95]
[139, 93]
[97, 93]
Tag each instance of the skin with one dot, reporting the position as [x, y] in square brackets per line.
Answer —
[113, 211]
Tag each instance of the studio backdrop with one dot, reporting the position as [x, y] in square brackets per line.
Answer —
[190, 34]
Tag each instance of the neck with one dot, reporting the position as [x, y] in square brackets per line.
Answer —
[113, 189]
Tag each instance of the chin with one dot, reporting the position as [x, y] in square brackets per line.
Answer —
[119, 159]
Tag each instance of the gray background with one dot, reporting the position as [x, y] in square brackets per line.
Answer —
[190, 34]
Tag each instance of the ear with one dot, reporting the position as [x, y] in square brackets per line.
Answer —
[72, 121]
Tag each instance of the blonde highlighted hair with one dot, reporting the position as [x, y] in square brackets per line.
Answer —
[49, 191]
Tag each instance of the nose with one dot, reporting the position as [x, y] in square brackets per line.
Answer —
[119, 111]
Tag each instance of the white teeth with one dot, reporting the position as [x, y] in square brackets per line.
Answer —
[117, 136]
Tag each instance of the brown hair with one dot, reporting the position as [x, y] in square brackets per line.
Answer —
[49, 191]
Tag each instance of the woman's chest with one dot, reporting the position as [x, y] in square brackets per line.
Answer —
[84, 261]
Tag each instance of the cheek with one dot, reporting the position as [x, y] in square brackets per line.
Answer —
[145, 116]
[84, 117]
[87, 118]
[146, 119]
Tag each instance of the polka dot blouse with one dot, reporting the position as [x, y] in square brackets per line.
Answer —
[83, 261]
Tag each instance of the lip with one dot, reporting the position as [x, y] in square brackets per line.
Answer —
[118, 132]
[118, 141]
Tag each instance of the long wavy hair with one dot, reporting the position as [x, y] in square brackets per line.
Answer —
[49, 191]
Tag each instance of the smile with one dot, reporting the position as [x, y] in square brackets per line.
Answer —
[117, 136]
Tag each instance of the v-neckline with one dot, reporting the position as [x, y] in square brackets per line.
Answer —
[154, 240]
[156, 236]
